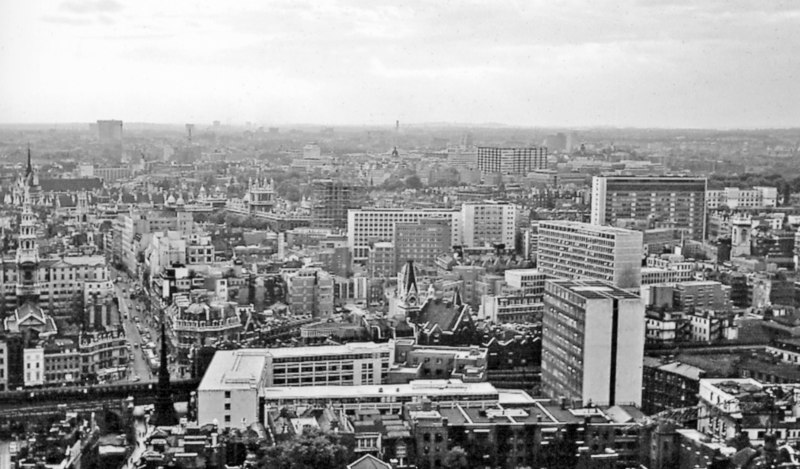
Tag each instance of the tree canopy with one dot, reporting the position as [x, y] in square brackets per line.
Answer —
[311, 450]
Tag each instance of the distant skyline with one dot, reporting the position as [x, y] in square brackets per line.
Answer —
[540, 63]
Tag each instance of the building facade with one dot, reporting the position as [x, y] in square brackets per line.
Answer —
[367, 226]
[651, 203]
[310, 291]
[489, 224]
[592, 343]
[422, 241]
[511, 160]
[577, 250]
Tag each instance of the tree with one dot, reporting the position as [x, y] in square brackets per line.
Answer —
[456, 458]
[413, 182]
[313, 449]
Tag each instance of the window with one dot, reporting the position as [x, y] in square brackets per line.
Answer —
[227, 406]
[227, 394]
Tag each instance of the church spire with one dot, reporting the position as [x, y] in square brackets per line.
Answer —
[164, 408]
[29, 168]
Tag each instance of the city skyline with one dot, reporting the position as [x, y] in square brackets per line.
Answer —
[671, 64]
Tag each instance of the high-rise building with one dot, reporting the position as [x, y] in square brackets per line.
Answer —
[330, 201]
[511, 160]
[575, 250]
[592, 343]
[422, 241]
[371, 225]
[488, 224]
[650, 203]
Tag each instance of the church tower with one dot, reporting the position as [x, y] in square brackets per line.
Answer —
[28, 288]
[164, 407]
[408, 299]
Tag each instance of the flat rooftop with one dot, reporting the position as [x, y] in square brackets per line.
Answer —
[235, 369]
[421, 388]
[576, 225]
[244, 368]
[352, 347]
[594, 289]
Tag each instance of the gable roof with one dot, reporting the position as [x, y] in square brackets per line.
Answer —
[369, 461]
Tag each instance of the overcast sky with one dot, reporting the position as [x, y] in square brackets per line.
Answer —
[643, 63]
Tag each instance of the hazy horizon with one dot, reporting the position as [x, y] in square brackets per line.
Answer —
[664, 64]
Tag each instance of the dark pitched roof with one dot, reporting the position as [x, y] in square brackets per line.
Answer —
[443, 314]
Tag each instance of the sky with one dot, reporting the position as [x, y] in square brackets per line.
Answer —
[539, 63]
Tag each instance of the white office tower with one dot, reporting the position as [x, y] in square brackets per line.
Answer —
[592, 343]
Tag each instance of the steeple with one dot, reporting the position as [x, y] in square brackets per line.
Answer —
[29, 169]
[409, 278]
[457, 301]
[408, 300]
[27, 252]
[164, 408]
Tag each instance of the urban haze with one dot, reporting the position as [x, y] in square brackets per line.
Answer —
[399, 235]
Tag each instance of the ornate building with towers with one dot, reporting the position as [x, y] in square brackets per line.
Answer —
[39, 294]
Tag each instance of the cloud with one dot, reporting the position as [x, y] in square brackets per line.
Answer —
[642, 62]
[82, 7]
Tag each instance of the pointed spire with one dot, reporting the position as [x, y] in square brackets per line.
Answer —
[29, 169]
[164, 408]
[457, 298]
[410, 278]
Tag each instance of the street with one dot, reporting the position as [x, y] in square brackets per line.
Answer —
[130, 311]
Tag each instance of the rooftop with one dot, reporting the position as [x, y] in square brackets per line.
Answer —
[576, 225]
[235, 369]
[594, 289]
[421, 388]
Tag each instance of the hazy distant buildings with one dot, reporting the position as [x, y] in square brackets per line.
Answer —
[462, 158]
[651, 203]
[109, 131]
[575, 250]
[511, 160]
[592, 343]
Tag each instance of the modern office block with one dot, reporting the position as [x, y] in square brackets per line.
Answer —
[422, 241]
[511, 160]
[487, 224]
[592, 343]
[651, 203]
[371, 225]
[575, 250]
